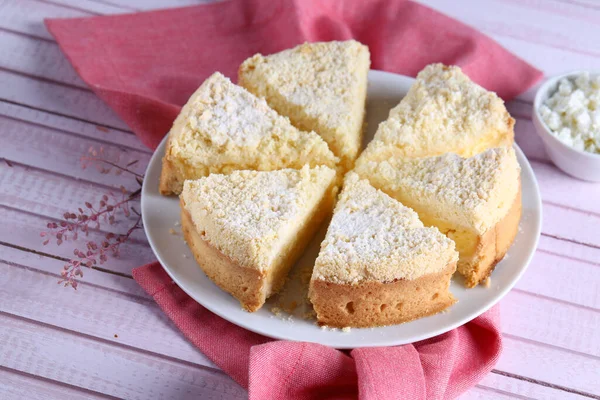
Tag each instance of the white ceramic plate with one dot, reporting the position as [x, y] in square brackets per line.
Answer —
[160, 214]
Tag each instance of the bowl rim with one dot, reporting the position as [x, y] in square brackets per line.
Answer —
[543, 90]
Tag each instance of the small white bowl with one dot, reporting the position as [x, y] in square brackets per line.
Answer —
[580, 164]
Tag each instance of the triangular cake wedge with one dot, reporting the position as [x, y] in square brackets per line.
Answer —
[223, 128]
[246, 229]
[379, 265]
[320, 86]
[443, 112]
[475, 201]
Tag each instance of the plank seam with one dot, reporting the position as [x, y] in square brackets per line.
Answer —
[149, 300]
[68, 7]
[503, 392]
[108, 3]
[26, 34]
[46, 80]
[594, 246]
[568, 257]
[569, 303]
[100, 231]
[124, 147]
[108, 342]
[59, 258]
[58, 383]
[16, 103]
[65, 176]
[584, 5]
[546, 384]
[551, 346]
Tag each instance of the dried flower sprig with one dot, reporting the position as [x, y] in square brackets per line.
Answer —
[90, 217]
[95, 254]
[104, 165]
[108, 209]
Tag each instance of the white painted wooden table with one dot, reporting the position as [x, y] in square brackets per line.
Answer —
[108, 339]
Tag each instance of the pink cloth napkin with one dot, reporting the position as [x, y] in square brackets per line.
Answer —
[146, 65]
[439, 368]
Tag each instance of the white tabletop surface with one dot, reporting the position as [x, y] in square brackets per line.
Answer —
[108, 339]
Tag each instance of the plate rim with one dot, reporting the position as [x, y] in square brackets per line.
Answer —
[373, 74]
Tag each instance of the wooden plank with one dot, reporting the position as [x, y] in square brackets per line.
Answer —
[545, 277]
[51, 267]
[52, 97]
[50, 196]
[561, 30]
[550, 365]
[46, 148]
[26, 16]
[66, 124]
[493, 385]
[141, 5]
[35, 57]
[579, 226]
[111, 316]
[480, 392]
[568, 250]
[573, 328]
[95, 365]
[93, 7]
[25, 232]
[17, 385]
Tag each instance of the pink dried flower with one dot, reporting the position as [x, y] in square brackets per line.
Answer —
[109, 208]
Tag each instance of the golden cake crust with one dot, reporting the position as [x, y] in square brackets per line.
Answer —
[373, 303]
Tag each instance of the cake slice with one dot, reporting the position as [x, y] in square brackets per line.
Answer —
[246, 229]
[443, 112]
[475, 201]
[321, 87]
[223, 128]
[378, 264]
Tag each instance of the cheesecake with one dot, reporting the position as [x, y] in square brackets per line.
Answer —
[246, 229]
[475, 201]
[379, 265]
[320, 86]
[224, 128]
[443, 112]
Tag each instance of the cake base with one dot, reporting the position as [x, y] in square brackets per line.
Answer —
[372, 304]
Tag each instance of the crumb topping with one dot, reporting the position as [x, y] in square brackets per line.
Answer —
[223, 128]
[372, 237]
[245, 214]
[444, 111]
[320, 86]
[473, 192]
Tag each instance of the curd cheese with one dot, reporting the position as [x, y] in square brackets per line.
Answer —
[573, 112]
